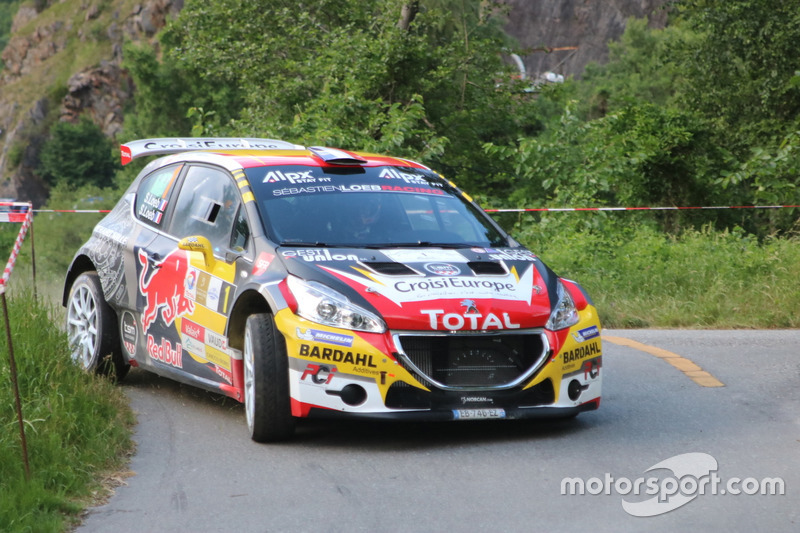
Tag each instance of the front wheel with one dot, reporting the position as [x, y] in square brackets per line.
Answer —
[266, 381]
[92, 329]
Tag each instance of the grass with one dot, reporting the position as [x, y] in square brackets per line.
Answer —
[77, 426]
[639, 277]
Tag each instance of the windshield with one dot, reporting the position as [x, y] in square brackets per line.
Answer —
[367, 207]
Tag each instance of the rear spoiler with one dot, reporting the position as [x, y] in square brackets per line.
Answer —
[131, 150]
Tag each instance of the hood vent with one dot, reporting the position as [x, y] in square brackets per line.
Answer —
[391, 268]
[487, 268]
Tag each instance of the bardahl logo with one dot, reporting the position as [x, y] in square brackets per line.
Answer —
[581, 352]
[337, 356]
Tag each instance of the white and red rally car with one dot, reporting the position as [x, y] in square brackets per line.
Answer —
[318, 282]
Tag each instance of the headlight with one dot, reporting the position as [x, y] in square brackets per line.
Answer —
[565, 314]
[323, 305]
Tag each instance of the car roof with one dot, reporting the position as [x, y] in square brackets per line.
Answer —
[233, 153]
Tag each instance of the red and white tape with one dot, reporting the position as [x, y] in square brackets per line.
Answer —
[666, 208]
[27, 219]
[72, 210]
[513, 210]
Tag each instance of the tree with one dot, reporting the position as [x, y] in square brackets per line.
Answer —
[742, 67]
[346, 73]
[77, 155]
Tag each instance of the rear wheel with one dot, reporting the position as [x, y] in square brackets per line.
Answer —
[92, 329]
[266, 381]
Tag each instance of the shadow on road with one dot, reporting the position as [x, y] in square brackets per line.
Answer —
[388, 436]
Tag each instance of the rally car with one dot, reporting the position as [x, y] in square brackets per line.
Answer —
[317, 282]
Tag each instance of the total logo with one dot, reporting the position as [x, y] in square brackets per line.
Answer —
[469, 321]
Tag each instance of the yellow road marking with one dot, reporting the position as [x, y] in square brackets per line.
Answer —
[689, 368]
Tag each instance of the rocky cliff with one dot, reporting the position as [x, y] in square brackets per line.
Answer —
[44, 41]
[86, 36]
[563, 36]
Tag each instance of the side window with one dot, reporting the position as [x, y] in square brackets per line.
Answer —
[153, 195]
[207, 205]
[241, 232]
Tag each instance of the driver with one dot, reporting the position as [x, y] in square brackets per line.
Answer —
[367, 213]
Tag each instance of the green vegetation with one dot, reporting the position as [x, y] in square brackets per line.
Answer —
[77, 155]
[703, 112]
[640, 277]
[8, 8]
[76, 425]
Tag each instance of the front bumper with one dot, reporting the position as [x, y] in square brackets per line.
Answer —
[335, 373]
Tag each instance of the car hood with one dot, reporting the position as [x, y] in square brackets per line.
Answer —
[440, 289]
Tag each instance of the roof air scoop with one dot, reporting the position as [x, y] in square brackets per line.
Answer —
[336, 157]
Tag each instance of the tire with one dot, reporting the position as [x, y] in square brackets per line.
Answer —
[266, 381]
[92, 329]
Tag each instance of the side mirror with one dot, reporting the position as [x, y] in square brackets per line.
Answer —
[198, 243]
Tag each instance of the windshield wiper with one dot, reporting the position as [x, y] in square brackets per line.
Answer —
[418, 244]
[305, 244]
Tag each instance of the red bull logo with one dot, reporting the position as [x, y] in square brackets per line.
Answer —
[164, 352]
[164, 288]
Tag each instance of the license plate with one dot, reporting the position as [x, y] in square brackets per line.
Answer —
[478, 414]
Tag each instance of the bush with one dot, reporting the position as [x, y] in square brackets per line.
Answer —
[78, 154]
[702, 278]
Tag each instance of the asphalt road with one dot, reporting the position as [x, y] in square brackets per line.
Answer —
[197, 470]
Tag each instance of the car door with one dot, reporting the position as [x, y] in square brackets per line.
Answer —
[144, 258]
[189, 293]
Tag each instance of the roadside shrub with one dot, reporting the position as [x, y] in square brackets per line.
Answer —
[76, 425]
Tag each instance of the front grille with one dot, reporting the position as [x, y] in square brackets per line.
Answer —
[403, 396]
[483, 361]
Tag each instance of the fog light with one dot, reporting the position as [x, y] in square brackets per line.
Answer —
[353, 394]
[574, 390]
